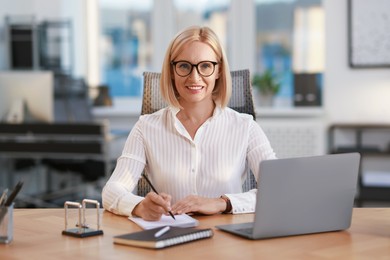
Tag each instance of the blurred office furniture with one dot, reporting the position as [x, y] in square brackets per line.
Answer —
[31, 91]
[241, 101]
[33, 45]
[60, 98]
[372, 141]
[71, 100]
[80, 147]
[56, 46]
[103, 98]
[71, 142]
[21, 33]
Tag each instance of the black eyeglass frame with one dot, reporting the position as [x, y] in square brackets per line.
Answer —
[194, 65]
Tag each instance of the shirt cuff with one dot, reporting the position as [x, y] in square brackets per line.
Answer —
[243, 202]
[128, 203]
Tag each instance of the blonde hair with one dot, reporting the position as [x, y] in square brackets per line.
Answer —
[223, 85]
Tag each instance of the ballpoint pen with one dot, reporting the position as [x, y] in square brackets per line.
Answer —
[162, 231]
[3, 197]
[13, 194]
[151, 185]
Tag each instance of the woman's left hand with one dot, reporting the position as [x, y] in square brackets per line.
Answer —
[197, 204]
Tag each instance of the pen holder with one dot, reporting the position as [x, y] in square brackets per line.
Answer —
[6, 224]
[82, 229]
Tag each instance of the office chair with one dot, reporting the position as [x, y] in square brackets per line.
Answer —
[241, 101]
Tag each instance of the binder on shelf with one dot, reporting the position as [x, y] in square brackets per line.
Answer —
[307, 89]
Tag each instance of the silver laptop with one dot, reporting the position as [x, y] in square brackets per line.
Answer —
[302, 195]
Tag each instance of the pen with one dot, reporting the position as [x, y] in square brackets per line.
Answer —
[13, 194]
[3, 197]
[162, 231]
[10, 199]
[146, 178]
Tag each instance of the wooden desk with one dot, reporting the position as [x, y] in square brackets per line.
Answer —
[37, 235]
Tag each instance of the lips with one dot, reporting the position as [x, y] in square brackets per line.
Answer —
[197, 87]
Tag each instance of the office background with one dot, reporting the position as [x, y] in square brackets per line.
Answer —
[112, 42]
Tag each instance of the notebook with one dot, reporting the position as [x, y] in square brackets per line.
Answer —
[182, 220]
[301, 196]
[175, 236]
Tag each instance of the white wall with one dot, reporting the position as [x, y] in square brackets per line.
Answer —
[351, 95]
[242, 35]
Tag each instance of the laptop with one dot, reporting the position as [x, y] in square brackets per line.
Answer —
[302, 195]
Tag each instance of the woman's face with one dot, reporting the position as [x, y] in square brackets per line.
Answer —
[195, 88]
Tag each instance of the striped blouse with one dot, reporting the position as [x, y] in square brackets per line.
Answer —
[210, 165]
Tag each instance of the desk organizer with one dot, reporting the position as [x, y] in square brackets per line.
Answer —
[82, 229]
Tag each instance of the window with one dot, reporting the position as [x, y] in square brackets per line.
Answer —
[213, 14]
[126, 36]
[125, 45]
[290, 42]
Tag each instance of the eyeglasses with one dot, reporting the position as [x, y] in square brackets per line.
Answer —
[184, 68]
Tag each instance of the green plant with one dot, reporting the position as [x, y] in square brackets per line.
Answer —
[266, 83]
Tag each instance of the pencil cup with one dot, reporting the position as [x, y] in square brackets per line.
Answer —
[6, 224]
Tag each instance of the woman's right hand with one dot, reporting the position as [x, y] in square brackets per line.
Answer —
[153, 206]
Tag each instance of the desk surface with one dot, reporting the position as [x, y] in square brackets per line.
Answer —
[37, 235]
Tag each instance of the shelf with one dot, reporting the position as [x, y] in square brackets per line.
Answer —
[361, 126]
[376, 185]
[373, 150]
[121, 107]
[289, 112]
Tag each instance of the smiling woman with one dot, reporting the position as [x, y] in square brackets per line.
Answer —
[196, 151]
[195, 87]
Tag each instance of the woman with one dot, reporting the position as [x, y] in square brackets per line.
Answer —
[196, 150]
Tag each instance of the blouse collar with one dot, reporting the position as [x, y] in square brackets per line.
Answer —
[217, 111]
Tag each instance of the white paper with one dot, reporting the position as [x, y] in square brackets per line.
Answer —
[181, 221]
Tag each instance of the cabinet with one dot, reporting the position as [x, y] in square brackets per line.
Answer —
[372, 141]
[56, 46]
[21, 33]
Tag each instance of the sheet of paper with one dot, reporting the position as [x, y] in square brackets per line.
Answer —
[183, 220]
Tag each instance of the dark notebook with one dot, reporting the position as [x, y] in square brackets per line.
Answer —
[175, 236]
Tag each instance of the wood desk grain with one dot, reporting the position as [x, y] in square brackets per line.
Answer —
[37, 235]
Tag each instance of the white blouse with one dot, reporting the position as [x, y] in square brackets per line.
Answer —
[213, 164]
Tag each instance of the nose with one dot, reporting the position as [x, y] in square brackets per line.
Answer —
[194, 73]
